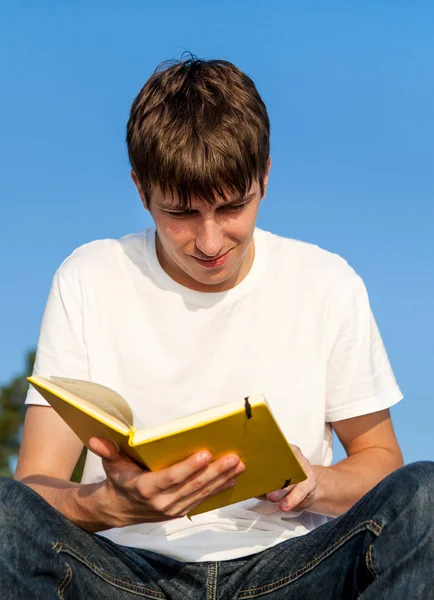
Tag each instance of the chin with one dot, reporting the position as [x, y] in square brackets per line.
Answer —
[212, 278]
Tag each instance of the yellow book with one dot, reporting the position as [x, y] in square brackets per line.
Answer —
[246, 428]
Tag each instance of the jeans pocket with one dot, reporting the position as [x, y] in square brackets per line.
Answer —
[91, 569]
[65, 581]
[272, 581]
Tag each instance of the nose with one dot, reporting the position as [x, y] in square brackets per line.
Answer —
[209, 238]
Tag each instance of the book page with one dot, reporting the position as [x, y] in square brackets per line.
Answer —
[196, 419]
[98, 395]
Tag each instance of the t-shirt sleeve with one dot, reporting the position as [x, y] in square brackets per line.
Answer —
[61, 349]
[360, 379]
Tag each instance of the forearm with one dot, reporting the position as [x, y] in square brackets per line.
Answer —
[342, 485]
[77, 502]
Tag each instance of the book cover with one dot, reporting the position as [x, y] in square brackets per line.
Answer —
[245, 427]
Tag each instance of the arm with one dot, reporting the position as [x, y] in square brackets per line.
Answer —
[373, 452]
[48, 454]
[129, 495]
[358, 380]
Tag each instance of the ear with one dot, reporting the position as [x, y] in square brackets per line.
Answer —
[266, 177]
[139, 188]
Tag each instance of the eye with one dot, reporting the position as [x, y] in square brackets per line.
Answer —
[234, 207]
[179, 215]
[182, 214]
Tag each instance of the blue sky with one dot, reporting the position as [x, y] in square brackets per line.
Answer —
[349, 88]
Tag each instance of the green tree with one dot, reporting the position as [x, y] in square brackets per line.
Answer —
[12, 411]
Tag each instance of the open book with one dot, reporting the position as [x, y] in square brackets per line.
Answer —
[245, 427]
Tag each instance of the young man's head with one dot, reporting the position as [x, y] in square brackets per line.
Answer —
[198, 141]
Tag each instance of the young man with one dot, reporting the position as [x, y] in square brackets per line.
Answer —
[205, 309]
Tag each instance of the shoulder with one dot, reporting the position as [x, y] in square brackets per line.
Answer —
[307, 263]
[103, 257]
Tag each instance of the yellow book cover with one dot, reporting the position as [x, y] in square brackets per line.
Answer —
[245, 427]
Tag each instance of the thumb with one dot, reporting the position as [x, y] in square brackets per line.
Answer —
[114, 461]
[103, 448]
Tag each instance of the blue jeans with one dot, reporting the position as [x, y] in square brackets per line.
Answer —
[383, 547]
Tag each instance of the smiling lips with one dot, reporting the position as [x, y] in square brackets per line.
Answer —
[215, 262]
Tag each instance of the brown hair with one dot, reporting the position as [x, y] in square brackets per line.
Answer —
[198, 128]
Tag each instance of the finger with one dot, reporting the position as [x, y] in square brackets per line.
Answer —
[178, 475]
[103, 448]
[278, 495]
[114, 460]
[194, 502]
[296, 497]
[180, 497]
[202, 491]
[209, 483]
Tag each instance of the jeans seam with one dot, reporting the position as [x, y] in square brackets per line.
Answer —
[115, 581]
[65, 581]
[370, 562]
[211, 582]
[371, 525]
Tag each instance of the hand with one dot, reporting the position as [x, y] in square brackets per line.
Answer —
[300, 496]
[132, 495]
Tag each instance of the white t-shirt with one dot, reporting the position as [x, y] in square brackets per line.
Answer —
[297, 329]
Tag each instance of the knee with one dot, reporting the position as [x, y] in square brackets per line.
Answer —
[420, 473]
[10, 489]
[416, 480]
[15, 497]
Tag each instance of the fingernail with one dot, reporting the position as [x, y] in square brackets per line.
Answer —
[204, 456]
[231, 461]
[278, 495]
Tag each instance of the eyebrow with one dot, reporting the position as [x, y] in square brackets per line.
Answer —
[177, 208]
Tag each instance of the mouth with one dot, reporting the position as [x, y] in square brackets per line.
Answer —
[213, 262]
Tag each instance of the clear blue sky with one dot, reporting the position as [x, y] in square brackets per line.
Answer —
[350, 92]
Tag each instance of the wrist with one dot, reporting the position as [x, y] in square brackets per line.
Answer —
[320, 491]
[90, 508]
